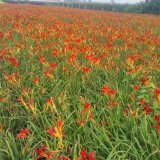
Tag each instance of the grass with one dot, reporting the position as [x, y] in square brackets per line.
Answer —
[78, 82]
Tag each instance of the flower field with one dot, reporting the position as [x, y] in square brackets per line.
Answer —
[78, 84]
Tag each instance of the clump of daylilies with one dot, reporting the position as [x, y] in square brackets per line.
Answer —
[42, 152]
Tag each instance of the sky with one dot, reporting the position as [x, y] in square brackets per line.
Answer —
[118, 1]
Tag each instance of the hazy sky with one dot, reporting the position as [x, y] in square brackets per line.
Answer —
[119, 1]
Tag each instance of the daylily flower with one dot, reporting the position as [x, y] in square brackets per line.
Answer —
[84, 155]
[23, 133]
[43, 153]
[107, 90]
[36, 80]
[147, 110]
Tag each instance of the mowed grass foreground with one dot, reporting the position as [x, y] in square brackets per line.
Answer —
[78, 84]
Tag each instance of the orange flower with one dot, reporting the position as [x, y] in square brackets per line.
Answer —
[13, 60]
[48, 74]
[157, 93]
[136, 88]
[2, 99]
[23, 133]
[109, 91]
[36, 80]
[12, 78]
[42, 60]
[50, 104]
[81, 122]
[52, 132]
[158, 98]
[72, 58]
[85, 70]
[142, 101]
[57, 131]
[31, 104]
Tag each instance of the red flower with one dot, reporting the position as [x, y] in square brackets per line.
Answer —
[108, 46]
[41, 152]
[84, 155]
[30, 101]
[157, 127]
[111, 92]
[132, 59]
[142, 101]
[1, 35]
[85, 70]
[23, 133]
[53, 65]
[147, 110]
[87, 106]
[157, 91]
[13, 60]
[157, 118]
[107, 90]
[125, 112]
[52, 132]
[145, 81]
[54, 52]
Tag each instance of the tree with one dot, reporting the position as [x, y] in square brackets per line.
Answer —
[152, 1]
[151, 6]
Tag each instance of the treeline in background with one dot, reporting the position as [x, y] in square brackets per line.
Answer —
[149, 6]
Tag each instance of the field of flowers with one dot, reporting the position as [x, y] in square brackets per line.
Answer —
[78, 84]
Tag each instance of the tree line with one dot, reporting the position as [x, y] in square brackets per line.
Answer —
[149, 6]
